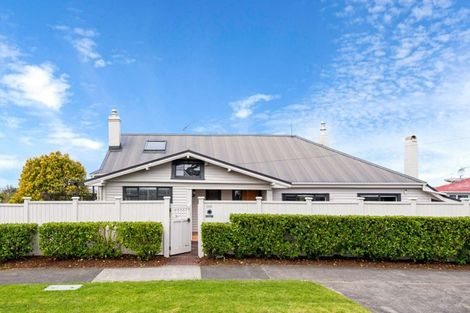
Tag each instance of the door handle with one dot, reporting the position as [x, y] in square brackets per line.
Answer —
[189, 220]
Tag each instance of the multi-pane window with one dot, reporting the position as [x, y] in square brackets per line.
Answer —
[385, 197]
[188, 169]
[145, 193]
[302, 196]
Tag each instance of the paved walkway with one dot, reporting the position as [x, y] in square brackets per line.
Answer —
[381, 290]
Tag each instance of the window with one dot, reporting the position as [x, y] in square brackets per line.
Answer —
[237, 195]
[246, 195]
[213, 195]
[145, 193]
[384, 197]
[155, 146]
[459, 197]
[302, 196]
[188, 169]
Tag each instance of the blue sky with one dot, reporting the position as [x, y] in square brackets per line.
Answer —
[375, 71]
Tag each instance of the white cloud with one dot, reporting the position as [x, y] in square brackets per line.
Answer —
[12, 122]
[84, 43]
[8, 52]
[244, 108]
[9, 162]
[63, 136]
[123, 58]
[35, 85]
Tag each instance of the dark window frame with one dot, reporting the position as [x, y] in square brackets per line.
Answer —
[380, 195]
[219, 194]
[138, 192]
[313, 195]
[185, 161]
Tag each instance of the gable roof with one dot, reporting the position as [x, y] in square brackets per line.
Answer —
[457, 186]
[287, 158]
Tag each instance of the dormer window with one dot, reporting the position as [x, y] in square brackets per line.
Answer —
[188, 169]
[155, 146]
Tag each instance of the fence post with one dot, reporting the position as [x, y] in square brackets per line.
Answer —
[259, 204]
[75, 207]
[414, 208]
[117, 204]
[466, 204]
[308, 202]
[26, 201]
[200, 219]
[166, 226]
[360, 203]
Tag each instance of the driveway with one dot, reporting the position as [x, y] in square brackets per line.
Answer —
[381, 290]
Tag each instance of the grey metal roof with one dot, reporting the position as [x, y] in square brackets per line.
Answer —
[289, 158]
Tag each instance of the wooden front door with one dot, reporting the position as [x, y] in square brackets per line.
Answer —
[250, 195]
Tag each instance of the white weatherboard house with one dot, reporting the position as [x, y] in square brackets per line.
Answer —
[243, 167]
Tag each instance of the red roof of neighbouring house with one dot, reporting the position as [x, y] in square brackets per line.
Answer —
[458, 186]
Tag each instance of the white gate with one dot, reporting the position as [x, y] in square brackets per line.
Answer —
[180, 229]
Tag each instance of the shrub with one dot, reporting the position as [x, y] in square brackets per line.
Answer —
[217, 238]
[143, 238]
[78, 240]
[16, 240]
[99, 239]
[373, 237]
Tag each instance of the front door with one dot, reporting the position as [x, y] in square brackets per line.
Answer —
[250, 195]
[180, 229]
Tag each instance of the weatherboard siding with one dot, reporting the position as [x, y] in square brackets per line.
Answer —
[212, 173]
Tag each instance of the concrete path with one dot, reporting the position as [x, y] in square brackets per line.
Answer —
[381, 290]
[170, 272]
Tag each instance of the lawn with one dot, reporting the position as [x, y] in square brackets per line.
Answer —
[178, 296]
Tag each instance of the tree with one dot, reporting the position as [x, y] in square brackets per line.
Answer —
[6, 193]
[51, 177]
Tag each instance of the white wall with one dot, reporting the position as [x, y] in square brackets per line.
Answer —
[339, 194]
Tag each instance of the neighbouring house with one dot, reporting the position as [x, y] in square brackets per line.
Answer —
[243, 167]
[457, 189]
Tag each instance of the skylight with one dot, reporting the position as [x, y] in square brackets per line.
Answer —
[155, 145]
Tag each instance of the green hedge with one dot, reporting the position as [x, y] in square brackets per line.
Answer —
[16, 240]
[217, 238]
[143, 238]
[313, 236]
[100, 240]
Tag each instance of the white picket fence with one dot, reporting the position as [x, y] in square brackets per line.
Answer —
[219, 211]
[83, 211]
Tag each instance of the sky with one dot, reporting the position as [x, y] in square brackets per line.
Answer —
[374, 71]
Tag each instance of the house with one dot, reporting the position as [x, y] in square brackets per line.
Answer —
[457, 189]
[243, 167]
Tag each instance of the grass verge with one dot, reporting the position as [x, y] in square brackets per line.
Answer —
[178, 296]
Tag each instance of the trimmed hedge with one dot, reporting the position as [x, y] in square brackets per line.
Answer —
[143, 238]
[16, 240]
[100, 239]
[217, 238]
[313, 236]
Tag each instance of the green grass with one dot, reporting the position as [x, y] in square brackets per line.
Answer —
[178, 296]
